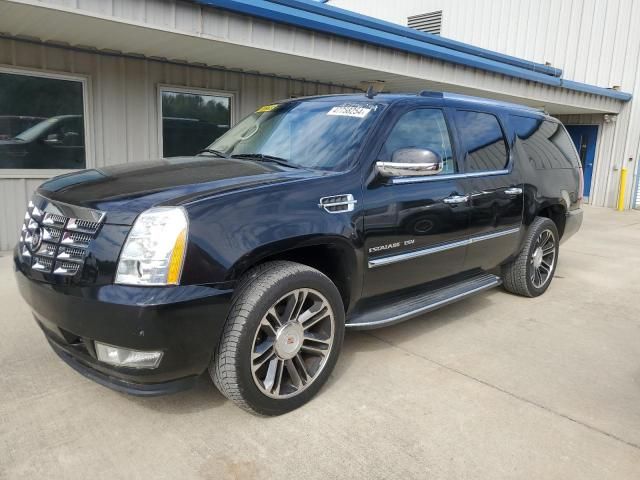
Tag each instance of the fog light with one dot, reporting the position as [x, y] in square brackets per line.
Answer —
[123, 357]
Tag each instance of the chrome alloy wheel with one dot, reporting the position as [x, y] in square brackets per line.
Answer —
[543, 258]
[292, 343]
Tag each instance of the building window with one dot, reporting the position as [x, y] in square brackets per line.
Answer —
[427, 22]
[42, 122]
[192, 119]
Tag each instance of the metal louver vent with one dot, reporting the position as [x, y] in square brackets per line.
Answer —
[338, 203]
[54, 237]
[427, 22]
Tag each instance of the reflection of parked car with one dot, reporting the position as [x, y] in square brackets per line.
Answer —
[12, 125]
[187, 136]
[57, 142]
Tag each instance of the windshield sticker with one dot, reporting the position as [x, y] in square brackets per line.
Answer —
[267, 108]
[350, 110]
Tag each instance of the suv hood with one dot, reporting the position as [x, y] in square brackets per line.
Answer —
[124, 191]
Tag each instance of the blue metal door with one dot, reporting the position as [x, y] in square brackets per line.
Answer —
[584, 137]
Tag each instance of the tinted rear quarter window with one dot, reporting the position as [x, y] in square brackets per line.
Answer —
[483, 141]
[546, 143]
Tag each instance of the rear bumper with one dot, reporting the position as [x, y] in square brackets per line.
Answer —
[183, 322]
[572, 224]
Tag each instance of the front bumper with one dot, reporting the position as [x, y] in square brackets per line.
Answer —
[184, 322]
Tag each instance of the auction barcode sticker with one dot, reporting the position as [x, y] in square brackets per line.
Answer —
[350, 110]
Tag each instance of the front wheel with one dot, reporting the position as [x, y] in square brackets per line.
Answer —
[282, 338]
[531, 272]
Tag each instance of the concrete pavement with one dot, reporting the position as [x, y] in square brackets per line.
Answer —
[493, 387]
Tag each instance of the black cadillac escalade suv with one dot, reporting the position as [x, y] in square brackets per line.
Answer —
[309, 216]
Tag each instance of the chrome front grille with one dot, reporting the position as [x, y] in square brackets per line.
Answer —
[54, 237]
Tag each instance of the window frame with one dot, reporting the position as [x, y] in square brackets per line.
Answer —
[87, 112]
[463, 151]
[232, 95]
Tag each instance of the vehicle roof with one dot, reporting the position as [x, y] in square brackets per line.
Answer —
[453, 99]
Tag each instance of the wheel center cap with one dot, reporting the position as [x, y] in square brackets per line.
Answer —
[289, 340]
[537, 257]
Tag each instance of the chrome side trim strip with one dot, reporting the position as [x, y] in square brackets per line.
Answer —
[401, 257]
[499, 233]
[425, 308]
[453, 176]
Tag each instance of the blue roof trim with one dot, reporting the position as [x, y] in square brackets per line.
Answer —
[342, 14]
[301, 18]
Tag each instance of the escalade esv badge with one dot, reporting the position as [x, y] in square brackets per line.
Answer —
[249, 260]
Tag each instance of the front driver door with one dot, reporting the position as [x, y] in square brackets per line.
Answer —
[415, 227]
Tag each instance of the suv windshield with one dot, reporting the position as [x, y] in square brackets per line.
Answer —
[309, 134]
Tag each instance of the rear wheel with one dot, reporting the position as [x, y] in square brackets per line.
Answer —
[530, 274]
[281, 340]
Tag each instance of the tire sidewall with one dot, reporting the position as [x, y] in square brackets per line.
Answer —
[307, 278]
[538, 227]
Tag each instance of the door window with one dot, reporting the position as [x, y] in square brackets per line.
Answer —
[484, 145]
[421, 128]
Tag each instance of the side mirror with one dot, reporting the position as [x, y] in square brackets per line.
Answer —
[411, 162]
[52, 140]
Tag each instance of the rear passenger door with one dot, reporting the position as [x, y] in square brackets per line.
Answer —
[496, 197]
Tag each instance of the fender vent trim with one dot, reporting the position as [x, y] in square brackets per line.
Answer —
[338, 203]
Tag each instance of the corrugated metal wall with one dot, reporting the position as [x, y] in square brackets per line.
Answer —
[124, 107]
[593, 41]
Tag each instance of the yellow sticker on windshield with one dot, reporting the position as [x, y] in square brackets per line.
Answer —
[267, 108]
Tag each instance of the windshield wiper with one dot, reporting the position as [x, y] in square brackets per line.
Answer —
[217, 153]
[266, 158]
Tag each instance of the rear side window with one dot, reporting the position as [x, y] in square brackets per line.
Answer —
[485, 149]
[546, 143]
[421, 128]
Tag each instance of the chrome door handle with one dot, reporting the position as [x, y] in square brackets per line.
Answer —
[513, 191]
[456, 199]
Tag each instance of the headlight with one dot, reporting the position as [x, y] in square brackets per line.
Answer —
[154, 251]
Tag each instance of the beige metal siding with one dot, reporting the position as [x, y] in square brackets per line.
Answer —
[124, 107]
[593, 41]
[191, 32]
